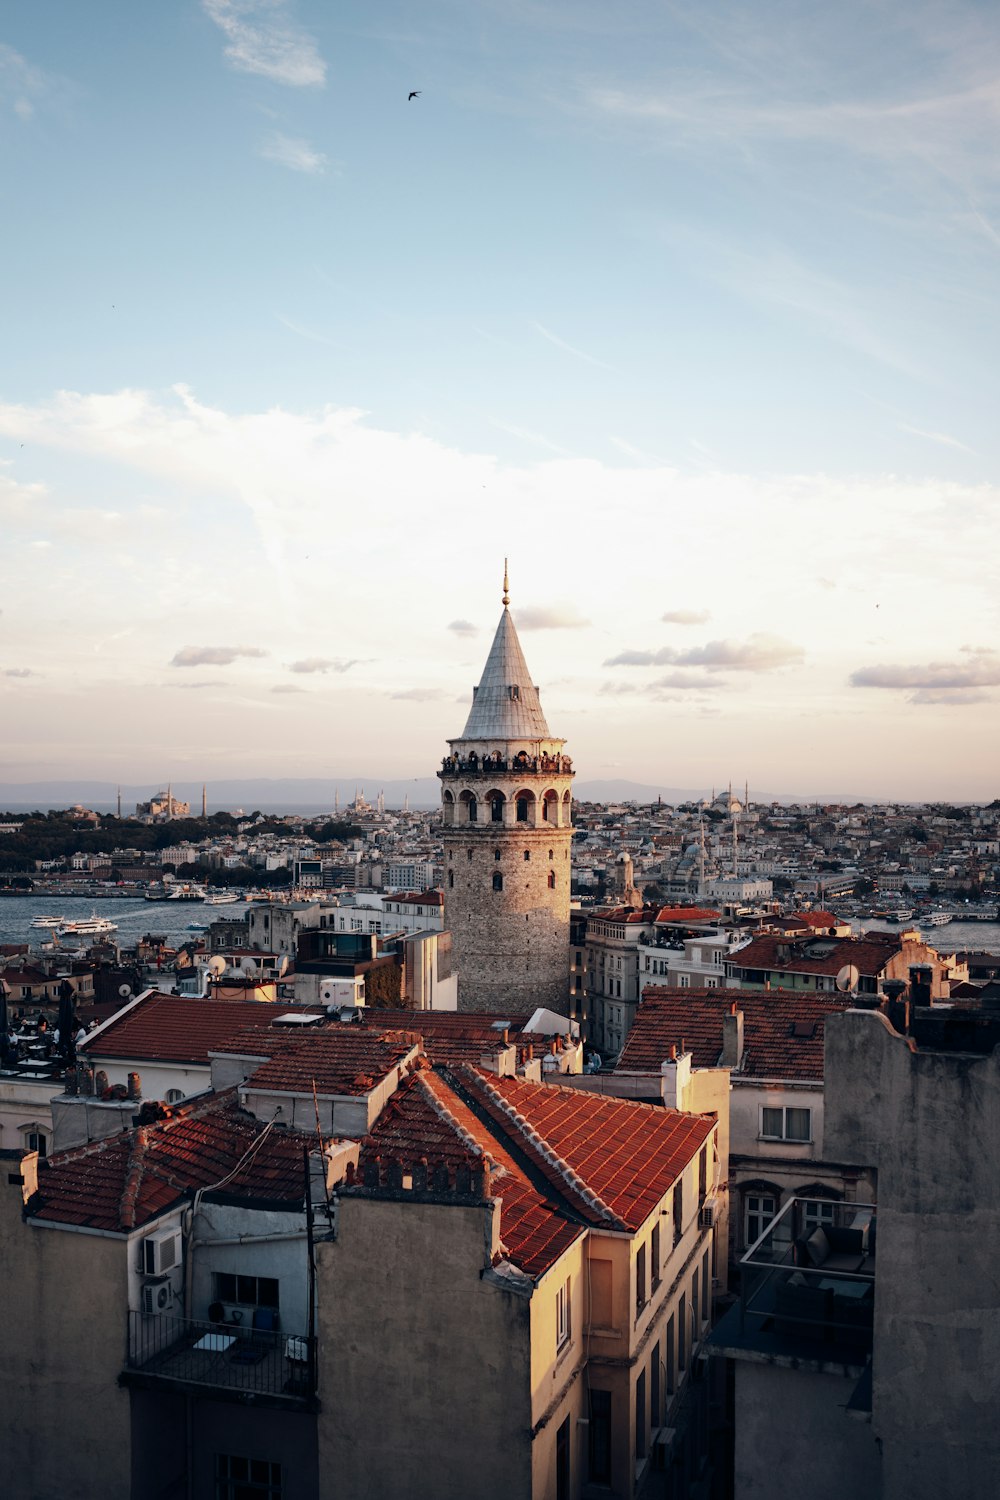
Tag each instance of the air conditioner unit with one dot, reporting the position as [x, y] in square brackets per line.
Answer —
[707, 1214]
[157, 1296]
[160, 1252]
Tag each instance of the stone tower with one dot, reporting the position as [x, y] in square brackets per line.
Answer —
[506, 811]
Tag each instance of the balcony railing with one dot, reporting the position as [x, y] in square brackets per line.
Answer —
[809, 1279]
[244, 1361]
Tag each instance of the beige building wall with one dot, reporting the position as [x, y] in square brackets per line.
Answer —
[408, 1361]
[63, 1302]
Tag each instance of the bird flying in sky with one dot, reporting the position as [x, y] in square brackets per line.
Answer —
[413, 94]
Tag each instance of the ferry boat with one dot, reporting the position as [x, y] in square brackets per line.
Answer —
[187, 893]
[938, 918]
[221, 898]
[47, 922]
[92, 926]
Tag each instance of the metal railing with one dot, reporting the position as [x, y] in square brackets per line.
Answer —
[810, 1276]
[261, 1361]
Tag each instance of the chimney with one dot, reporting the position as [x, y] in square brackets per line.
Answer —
[134, 1086]
[732, 1038]
[921, 977]
[675, 1076]
[897, 1009]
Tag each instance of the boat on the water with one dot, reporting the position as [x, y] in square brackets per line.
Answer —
[47, 922]
[221, 898]
[187, 893]
[938, 918]
[92, 926]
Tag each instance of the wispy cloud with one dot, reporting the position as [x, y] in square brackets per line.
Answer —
[582, 354]
[323, 664]
[957, 698]
[294, 153]
[759, 653]
[421, 695]
[943, 438]
[463, 627]
[981, 669]
[685, 617]
[19, 672]
[550, 617]
[261, 38]
[312, 334]
[21, 84]
[212, 656]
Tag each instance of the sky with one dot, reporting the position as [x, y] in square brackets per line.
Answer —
[692, 312]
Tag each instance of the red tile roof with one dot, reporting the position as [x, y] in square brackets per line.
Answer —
[681, 914]
[177, 1028]
[770, 1050]
[124, 1181]
[348, 1060]
[816, 955]
[427, 1121]
[611, 1159]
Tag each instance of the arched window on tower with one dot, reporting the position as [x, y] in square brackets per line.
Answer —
[451, 879]
[552, 880]
[496, 854]
[498, 881]
[527, 853]
[473, 810]
[551, 854]
[496, 807]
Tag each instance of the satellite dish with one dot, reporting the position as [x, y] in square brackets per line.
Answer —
[847, 979]
[283, 966]
[249, 966]
[217, 964]
[125, 990]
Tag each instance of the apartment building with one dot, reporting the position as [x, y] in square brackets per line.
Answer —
[285, 1285]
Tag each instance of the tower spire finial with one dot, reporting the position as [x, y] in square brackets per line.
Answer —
[506, 586]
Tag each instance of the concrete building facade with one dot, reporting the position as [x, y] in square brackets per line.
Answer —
[507, 831]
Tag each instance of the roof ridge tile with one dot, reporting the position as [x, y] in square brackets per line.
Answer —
[522, 1126]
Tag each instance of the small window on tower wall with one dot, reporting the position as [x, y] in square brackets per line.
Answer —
[527, 853]
[552, 880]
[498, 881]
[496, 854]
[451, 878]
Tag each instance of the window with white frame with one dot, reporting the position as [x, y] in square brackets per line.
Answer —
[760, 1209]
[816, 1214]
[563, 1328]
[786, 1124]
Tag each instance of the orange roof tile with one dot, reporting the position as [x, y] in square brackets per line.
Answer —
[611, 1159]
[124, 1181]
[669, 1017]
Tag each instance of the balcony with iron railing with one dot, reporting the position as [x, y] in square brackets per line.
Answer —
[807, 1292]
[235, 1362]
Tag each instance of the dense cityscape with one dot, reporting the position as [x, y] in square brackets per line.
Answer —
[499, 799]
[504, 1040]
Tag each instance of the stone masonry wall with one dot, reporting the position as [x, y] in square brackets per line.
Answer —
[510, 946]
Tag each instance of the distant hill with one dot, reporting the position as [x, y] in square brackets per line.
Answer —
[316, 794]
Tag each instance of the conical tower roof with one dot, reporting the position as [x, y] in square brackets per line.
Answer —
[506, 705]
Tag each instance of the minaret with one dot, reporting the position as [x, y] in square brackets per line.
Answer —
[507, 831]
[170, 800]
[336, 802]
[204, 800]
[119, 803]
